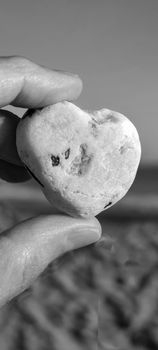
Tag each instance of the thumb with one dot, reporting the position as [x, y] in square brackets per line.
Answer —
[27, 248]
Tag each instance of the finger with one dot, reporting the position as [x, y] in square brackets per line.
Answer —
[13, 173]
[11, 167]
[8, 125]
[27, 249]
[26, 84]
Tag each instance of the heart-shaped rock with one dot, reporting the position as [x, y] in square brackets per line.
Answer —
[84, 161]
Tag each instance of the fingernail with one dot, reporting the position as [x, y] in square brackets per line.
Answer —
[71, 74]
[81, 237]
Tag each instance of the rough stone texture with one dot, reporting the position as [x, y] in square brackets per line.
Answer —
[84, 161]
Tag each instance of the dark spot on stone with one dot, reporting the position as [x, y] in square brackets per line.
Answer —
[99, 121]
[28, 113]
[122, 149]
[55, 160]
[80, 163]
[32, 174]
[94, 129]
[67, 153]
[104, 118]
[111, 118]
[107, 205]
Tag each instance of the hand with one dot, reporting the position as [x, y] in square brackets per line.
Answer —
[27, 248]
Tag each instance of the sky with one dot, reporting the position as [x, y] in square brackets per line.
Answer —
[111, 44]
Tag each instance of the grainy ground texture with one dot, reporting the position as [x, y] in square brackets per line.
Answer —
[104, 296]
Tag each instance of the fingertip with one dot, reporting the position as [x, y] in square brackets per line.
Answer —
[30, 85]
[78, 87]
[98, 228]
[92, 223]
[60, 86]
[85, 232]
[66, 80]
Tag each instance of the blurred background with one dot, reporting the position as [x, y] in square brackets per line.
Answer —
[113, 303]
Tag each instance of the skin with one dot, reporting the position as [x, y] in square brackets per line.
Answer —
[27, 248]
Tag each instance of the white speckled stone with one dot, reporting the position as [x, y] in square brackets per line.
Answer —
[85, 161]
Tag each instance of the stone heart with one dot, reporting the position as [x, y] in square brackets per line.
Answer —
[84, 161]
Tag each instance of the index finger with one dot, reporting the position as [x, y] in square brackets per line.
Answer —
[26, 84]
